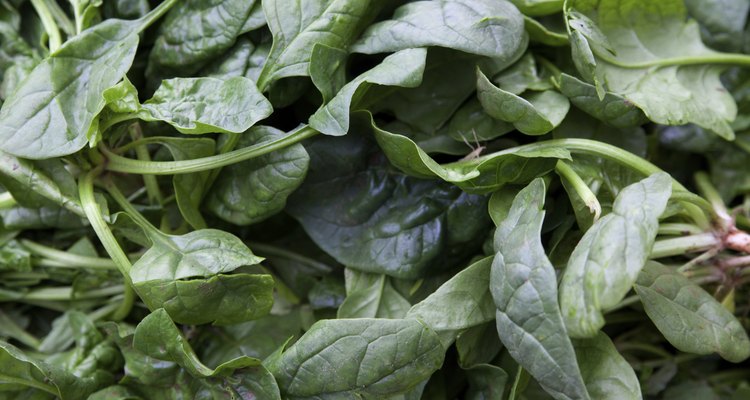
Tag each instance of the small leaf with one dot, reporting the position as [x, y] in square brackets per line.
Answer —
[371, 296]
[607, 260]
[371, 358]
[524, 287]
[606, 373]
[612, 109]
[688, 317]
[204, 105]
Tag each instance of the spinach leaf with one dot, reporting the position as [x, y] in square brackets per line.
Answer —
[371, 296]
[607, 260]
[523, 286]
[606, 373]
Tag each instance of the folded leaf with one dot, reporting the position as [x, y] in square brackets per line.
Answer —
[524, 287]
[607, 260]
[606, 373]
[688, 317]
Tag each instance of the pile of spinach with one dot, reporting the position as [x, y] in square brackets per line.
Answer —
[344, 199]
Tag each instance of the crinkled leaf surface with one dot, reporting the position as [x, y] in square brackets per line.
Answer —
[640, 61]
[689, 317]
[196, 31]
[403, 68]
[351, 358]
[492, 28]
[606, 373]
[524, 287]
[374, 220]
[298, 26]
[251, 191]
[50, 113]
[607, 260]
[203, 105]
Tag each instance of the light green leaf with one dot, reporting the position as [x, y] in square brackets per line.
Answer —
[492, 28]
[479, 175]
[203, 105]
[540, 33]
[536, 113]
[607, 260]
[50, 113]
[355, 358]
[462, 302]
[196, 31]
[524, 287]
[688, 317]
[652, 45]
[535, 8]
[328, 70]
[403, 68]
[606, 373]
[612, 109]
[249, 192]
[297, 27]
[371, 296]
[722, 22]
[39, 183]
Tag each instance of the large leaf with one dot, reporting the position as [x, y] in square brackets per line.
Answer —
[374, 220]
[51, 112]
[251, 191]
[38, 184]
[462, 302]
[691, 319]
[203, 105]
[479, 175]
[403, 68]
[650, 54]
[186, 275]
[196, 31]
[354, 358]
[492, 28]
[524, 287]
[298, 26]
[607, 260]
[606, 373]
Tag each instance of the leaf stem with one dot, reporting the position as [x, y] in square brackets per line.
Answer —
[94, 215]
[6, 200]
[710, 193]
[263, 248]
[122, 164]
[716, 58]
[149, 181]
[151, 230]
[59, 258]
[30, 383]
[678, 229]
[50, 26]
[156, 13]
[126, 305]
[686, 244]
[66, 293]
[581, 188]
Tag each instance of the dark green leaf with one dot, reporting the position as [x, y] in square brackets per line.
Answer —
[371, 296]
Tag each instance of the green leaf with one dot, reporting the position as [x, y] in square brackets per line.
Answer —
[249, 192]
[648, 43]
[535, 8]
[328, 70]
[39, 183]
[196, 31]
[534, 114]
[688, 317]
[186, 276]
[523, 285]
[204, 105]
[403, 68]
[612, 109]
[486, 382]
[371, 296]
[370, 358]
[374, 220]
[245, 58]
[298, 27]
[606, 373]
[50, 113]
[540, 33]
[722, 22]
[479, 175]
[462, 302]
[492, 28]
[522, 76]
[607, 260]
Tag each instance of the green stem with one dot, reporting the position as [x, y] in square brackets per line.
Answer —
[50, 26]
[272, 250]
[94, 215]
[678, 229]
[30, 383]
[710, 193]
[685, 244]
[59, 258]
[629, 346]
[6, 200]
[122, 164]
[116, 119]
[152, 186]
[156, 13]
[151, 230]
[580, 187]
[62, 19]
[125, 306]
[103, 311]
[66, 293]
[716, 58]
